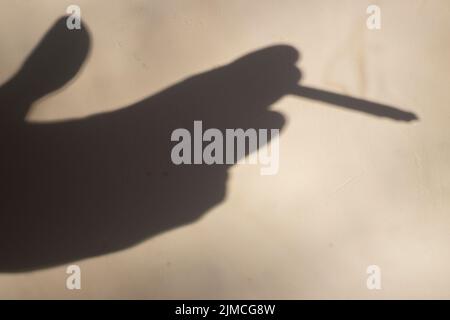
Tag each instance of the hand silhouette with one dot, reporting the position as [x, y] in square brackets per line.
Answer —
[82, 188]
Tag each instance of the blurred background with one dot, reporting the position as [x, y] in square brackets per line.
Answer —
[352, 190]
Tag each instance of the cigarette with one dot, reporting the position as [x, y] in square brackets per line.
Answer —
[356, 104]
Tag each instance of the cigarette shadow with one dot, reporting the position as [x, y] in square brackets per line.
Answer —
[82, 188]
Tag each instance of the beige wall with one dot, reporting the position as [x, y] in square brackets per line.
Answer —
[352, 190]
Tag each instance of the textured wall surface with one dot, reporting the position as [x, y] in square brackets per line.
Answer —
[352, 190]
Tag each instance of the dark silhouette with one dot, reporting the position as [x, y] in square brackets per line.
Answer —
[82, 188]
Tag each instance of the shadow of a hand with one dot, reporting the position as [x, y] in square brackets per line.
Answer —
[82, 188]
